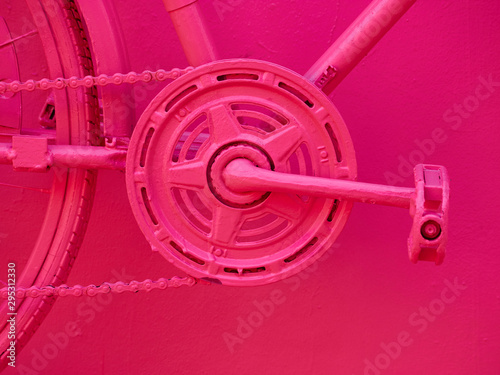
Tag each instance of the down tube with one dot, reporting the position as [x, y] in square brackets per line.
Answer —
[355, 43]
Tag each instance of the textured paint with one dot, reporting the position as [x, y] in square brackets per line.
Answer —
[428, 93]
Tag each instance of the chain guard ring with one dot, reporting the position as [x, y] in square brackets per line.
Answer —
[193, 128]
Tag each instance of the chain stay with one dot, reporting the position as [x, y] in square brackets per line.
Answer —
[93, 290]
[89, 81]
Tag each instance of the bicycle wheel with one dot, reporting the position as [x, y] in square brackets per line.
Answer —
[59, 39]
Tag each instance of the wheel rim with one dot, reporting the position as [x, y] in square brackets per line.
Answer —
[70, 191]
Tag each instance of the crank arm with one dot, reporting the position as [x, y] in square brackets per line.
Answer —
[427, 202]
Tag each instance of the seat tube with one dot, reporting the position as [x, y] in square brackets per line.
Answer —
[191, 29]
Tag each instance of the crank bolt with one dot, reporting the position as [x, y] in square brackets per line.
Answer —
[430, 230]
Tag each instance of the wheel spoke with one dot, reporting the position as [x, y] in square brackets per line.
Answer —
[46, 191]
[283, 143]
[223, 127]
[188, 175]
[13, 40]
[226, 224]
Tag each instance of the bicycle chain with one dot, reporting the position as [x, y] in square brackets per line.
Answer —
[89, 81]
[106, 287]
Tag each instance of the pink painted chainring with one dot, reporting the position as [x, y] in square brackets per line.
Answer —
[194, 128]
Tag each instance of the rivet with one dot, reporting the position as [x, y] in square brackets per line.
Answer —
[218, 252]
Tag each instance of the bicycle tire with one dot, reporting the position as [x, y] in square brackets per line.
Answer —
[73, 190]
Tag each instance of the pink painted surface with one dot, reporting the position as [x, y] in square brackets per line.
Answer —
[424, 94]
[203, 227]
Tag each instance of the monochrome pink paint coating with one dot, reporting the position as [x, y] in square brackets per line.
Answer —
[247, 136]
[263, 223]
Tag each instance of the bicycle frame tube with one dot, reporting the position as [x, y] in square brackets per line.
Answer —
[193, 34]
[34, 154]
[335, 64]
[330, 69]
[355, 43]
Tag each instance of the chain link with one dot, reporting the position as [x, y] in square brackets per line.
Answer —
[106, 287]
[89, 81]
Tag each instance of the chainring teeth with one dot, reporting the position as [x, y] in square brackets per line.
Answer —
[170, 182]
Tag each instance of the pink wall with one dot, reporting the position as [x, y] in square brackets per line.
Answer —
[364, 295]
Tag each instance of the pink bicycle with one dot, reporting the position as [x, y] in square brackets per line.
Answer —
[240, 172]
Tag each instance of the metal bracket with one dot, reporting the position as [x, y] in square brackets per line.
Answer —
[326, 77]
[30, 154]
[47, 118]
